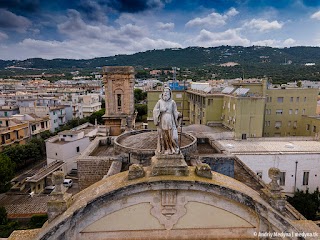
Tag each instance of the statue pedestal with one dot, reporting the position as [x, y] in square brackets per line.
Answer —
[174, 164]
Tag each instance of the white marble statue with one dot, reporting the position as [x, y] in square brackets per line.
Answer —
[165, 117]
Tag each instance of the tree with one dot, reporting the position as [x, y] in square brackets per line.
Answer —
[6, 172]
[103, 103]
[299, 84]
[306, 203]
[3, 216]
[97, 115]
[142, 110]
[139, 95]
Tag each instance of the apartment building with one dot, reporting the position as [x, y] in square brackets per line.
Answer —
[37, 124]
[90, 104]
[235, 107]
[56, 114]
[251, 108]
[13, 131]
[8, 110]
[73, 101]
[285, 109]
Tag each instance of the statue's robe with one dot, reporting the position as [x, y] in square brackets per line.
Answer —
[165, 117]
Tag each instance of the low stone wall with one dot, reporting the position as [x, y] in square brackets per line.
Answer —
[91, 171]
[142, 156]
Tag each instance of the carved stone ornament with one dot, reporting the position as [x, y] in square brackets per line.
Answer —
[135, 171]
[168, 208]
[274, 175]
[204, 170]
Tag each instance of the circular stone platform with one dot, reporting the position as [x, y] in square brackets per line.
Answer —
[145, 142]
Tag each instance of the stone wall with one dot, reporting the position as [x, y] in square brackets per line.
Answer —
[91, 168]
[92, 171]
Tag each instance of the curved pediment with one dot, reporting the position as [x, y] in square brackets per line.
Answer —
[166, 207]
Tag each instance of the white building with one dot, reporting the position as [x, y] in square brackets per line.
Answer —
[297, 158]
[76, 107]
[66, 147]
[90, 104]
[57, 114]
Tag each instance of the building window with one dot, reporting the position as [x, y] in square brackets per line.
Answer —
[119, 101]
[305, 180]
[78, 149]
[314, 129]
[290, 111]
[291, 99]
[278, 124]
[298, 99]
[280, 100]
[295, 124]
[296, 111]
[305, 99]
[259, 174]
[279, 112]
[303, 111]
[308, 127]
[210, 101]
[178, 95]
[282, 180]
[267, 123]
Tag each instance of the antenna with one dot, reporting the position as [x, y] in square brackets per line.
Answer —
[174, 74]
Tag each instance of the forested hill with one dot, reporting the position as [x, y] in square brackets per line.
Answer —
[187, 57]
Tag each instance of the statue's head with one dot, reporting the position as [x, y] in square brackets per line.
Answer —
[166, 94]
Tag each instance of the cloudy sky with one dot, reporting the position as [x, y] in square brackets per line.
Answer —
[96, 28]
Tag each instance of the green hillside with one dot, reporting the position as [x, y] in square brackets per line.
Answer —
[187, 57]
[279, 64]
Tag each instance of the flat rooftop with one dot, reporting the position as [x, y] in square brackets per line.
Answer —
[103, 150]
[271, 146]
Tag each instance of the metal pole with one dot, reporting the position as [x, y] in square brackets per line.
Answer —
[295, 177]
[184, 88]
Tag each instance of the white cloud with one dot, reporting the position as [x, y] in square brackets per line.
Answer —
[213, 19]
[3, 36]
[228, 37]
[165, 26]
[267, 42]
[84, 48]
[316, 15]
[289, 42]
[275, 43]
[263, 25]
[232, 12]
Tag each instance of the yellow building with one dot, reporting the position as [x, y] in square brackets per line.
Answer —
[234, 108]
[285, 108]
[251, 108]
[13, 131]
[181, 99]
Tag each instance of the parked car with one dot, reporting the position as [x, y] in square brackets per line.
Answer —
[67, 183]
[48, 189]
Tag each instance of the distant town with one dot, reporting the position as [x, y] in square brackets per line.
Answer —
[92, 127]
